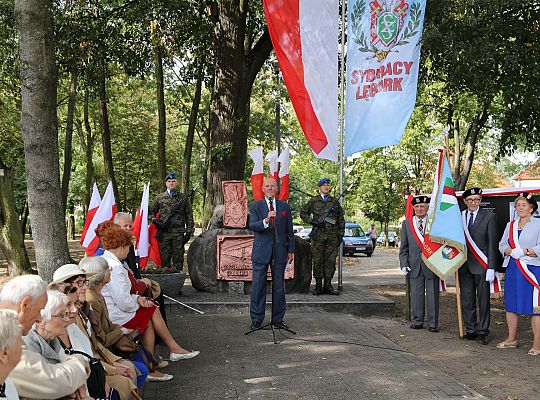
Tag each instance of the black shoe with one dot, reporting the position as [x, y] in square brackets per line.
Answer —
[328, 289]
[318, 287]
[470, 336]
[483, 339]
[417, 326]
[434, 330]
[281, 325]
[255, 325]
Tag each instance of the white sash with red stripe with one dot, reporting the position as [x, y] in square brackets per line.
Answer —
[472, 247]
[419, 237]
[523, 268]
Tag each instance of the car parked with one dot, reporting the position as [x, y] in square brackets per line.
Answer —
[355, 240]
[393, 239]
[304, 234]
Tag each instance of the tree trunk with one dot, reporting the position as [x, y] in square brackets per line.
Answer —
[106, 136]
[38, 125]
[68, 156]
[236, 69]
[162, 127]
[188, 147]
[11, 237]
[87, 141]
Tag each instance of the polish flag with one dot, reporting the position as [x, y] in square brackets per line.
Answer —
[140, 228]
[105, 212]
[273, 164]
[257, 175]
[304, 34]
[284, 161]
[153, 252]
[95, 201]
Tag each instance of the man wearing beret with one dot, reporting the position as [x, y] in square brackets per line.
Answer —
[475, 275]
[329, 233]
[179, 227]
[424, 283]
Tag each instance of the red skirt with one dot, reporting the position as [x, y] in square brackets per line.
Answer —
[140, 321]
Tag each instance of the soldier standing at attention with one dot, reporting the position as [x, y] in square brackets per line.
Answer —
[327, 236]
[175, 223]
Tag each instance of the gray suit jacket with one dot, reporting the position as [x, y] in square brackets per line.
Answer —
[410, 254]
[484, 234]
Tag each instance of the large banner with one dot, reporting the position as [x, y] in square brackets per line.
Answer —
[304, 34]
[383, 53]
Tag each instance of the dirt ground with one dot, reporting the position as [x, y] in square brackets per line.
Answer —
[497, 374]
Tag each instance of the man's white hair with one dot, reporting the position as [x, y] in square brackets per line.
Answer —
[55, 300]
[120, 215]
[9, 329]
[21, 286]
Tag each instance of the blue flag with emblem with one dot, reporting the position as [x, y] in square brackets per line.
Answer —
[444, 242]
[383, 56]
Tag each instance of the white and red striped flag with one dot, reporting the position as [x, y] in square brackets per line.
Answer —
[284, 161]
[105, 212]
[304, 34]
[140, 228]
[95, 201]
[272, 159]
[257, 175]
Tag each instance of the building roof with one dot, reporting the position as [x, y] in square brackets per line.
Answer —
[530, 173]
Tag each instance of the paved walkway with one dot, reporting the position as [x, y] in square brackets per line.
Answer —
[333, 356]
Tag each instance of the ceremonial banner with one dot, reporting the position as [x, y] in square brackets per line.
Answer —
[383, 55]
[444, 241]
[304, 34]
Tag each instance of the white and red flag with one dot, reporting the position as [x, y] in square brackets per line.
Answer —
[284, 161]
[105, 212]
[257, 175]
[140, 228]
[304, 34]
[272, 159]
[95, 201]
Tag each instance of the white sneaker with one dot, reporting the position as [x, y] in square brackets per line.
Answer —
[186, 356]
[158, 377]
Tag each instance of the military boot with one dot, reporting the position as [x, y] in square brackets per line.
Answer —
[328, 289]
[318, 287]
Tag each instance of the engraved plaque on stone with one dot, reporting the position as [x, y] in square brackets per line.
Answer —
[234, 259]
[235, 201]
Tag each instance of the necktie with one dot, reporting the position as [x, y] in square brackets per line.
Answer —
[325, 197]
[471, 217]
[171, 192]
[421, 227]
[271, 204]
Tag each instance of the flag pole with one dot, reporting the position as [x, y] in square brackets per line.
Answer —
[341, 134]
[458, 289]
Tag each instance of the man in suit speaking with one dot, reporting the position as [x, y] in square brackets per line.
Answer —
[271, 221]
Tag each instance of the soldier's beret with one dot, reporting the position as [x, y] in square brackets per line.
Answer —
[529, 197]
[171, 175]
[471, 192]
[323, 181]
[420, 200]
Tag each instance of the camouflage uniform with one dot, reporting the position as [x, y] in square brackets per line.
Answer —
[325, 245]
[170, 242]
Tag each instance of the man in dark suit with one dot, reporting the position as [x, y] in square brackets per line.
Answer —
[423, 280]
[271, 221]
[476, 274]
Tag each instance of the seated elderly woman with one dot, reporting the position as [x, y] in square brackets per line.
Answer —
[53, 374]
[120, 374]
[108, 333]
[127, 305]
[520, 245]
[10, 352]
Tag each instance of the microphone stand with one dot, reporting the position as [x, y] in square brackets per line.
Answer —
[272, 325]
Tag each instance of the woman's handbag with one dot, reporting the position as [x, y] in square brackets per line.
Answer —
[96, 381]
[125, 345]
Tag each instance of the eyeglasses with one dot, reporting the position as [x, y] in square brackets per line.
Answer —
[81, 283]
[474, 200]
[64, 316]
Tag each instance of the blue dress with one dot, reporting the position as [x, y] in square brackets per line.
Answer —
[518, 292]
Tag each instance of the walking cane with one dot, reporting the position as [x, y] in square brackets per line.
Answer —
[183, 304]
[408, 294]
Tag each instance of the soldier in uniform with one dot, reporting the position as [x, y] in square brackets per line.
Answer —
[329, 233]
[173, 230]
